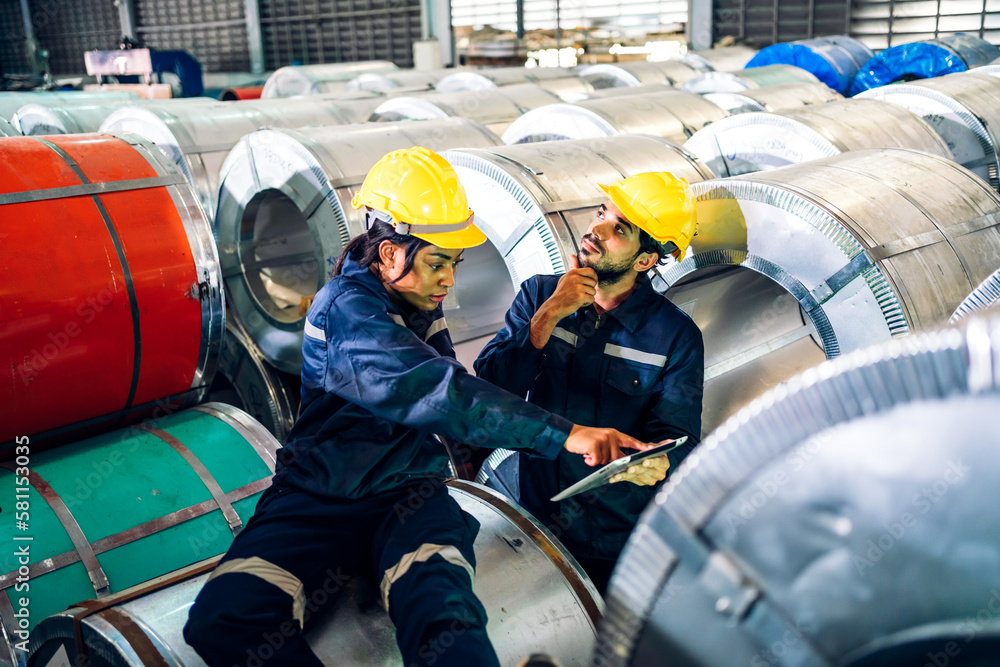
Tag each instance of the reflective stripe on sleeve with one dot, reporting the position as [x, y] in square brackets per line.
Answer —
[314, 331]
[448, 552]
[437, 327]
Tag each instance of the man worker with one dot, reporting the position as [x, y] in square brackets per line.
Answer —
[598, 346]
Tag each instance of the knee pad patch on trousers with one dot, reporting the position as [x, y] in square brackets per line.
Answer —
[448, 552]
[272, 574]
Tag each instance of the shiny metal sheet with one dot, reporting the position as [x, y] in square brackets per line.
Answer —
[775, 98]
[751, 142]
[554, 608]
[8, 130]
[638, 73]
[559, 80]
[400, 79]
[674, 115]
[986, 295]
[720, 59]
[10, 102]
[837, 520]
[495, 108]
[285, 215]
[317, 79]
[963, 109]
[83, 117]
[849, 250]
[748, 79]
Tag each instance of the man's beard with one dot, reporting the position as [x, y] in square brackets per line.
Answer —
[608, 273]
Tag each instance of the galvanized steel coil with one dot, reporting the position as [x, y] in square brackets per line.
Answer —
[775, 98]
[8, 130]
[553, 607]
[675, 115]
[751, 142]
[119, 509]
[246, 381]
[639, 73]
[317, 79]
[963, 109]
[798, 264]
[535, 201]
[495, 108]
[285, 216]
[838, 520]
[82, 117]
[11, 102]
[719, 59]
[400, 79]
[111, 280]
[748, 79]
[559, 80]
[198, 138]
[619, 91]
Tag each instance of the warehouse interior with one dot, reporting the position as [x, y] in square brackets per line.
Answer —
[182, 180]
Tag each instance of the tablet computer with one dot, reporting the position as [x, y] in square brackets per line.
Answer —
[602, 476]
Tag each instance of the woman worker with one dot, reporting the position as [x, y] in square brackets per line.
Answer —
[379, 375]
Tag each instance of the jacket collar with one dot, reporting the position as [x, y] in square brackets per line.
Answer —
[633, 311]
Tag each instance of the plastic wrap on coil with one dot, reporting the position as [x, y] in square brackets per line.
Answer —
[924, 60]
[837, 520]
[834, 60]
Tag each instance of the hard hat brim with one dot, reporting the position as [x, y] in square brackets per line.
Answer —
[469, 237]
[632, 213]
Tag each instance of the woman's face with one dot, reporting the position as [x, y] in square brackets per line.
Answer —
[428, 282]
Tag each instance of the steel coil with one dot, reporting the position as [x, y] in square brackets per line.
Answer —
[125, 507]
[111, 280]
[558, 80]
[82, 117]
[619, 91]
[806, 262]
[535, 201]
[638, 73]
[839, 520]
[748, 79]
[719, 59]
[8, 130]
[241, 93]
[495, 108]
[834, 60]
[198, 138]
[317, 79]
[413, 80]
[775, 98]
[751, 142]
[11, 102]
[246, 381]
[553, 608]
[963, 109]
[285, 216]
[986, 295]
[924, 60]
[993, 69]
[673, 115]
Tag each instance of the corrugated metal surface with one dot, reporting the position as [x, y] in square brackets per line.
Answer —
[215, 32]
[766, 22]
[13, 59]
[67, 28]
[632, 16]
[884, 23]
[328, 31]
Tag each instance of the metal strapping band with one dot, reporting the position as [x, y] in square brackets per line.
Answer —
[126, 269]
[86, 552]
[346, 182]
[917, 241]
[90, 189]
[827, 289]
[9, 622]
[571, 205]
[134, 534]
[136, 638]
[232, 518]
[235, 420]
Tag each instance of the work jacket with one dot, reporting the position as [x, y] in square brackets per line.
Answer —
[638, 368]
[377, 380]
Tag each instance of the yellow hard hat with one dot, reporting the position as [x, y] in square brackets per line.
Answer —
[421, 192]
[658, 203]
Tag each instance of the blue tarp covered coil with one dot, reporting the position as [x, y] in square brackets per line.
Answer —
[924, 60]
[834, 60]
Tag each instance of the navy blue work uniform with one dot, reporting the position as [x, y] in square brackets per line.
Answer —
[377, 380]
[638, 368]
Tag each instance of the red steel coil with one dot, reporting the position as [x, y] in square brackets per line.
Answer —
[110, 305]
[244, 93]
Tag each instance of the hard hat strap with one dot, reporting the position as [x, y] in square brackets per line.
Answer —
[406, 228]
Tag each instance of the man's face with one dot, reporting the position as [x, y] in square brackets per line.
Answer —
[611, 244]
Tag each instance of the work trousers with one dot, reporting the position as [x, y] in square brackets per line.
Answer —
[254, 607]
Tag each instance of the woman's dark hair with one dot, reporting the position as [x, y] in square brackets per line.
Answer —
[364, 249]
